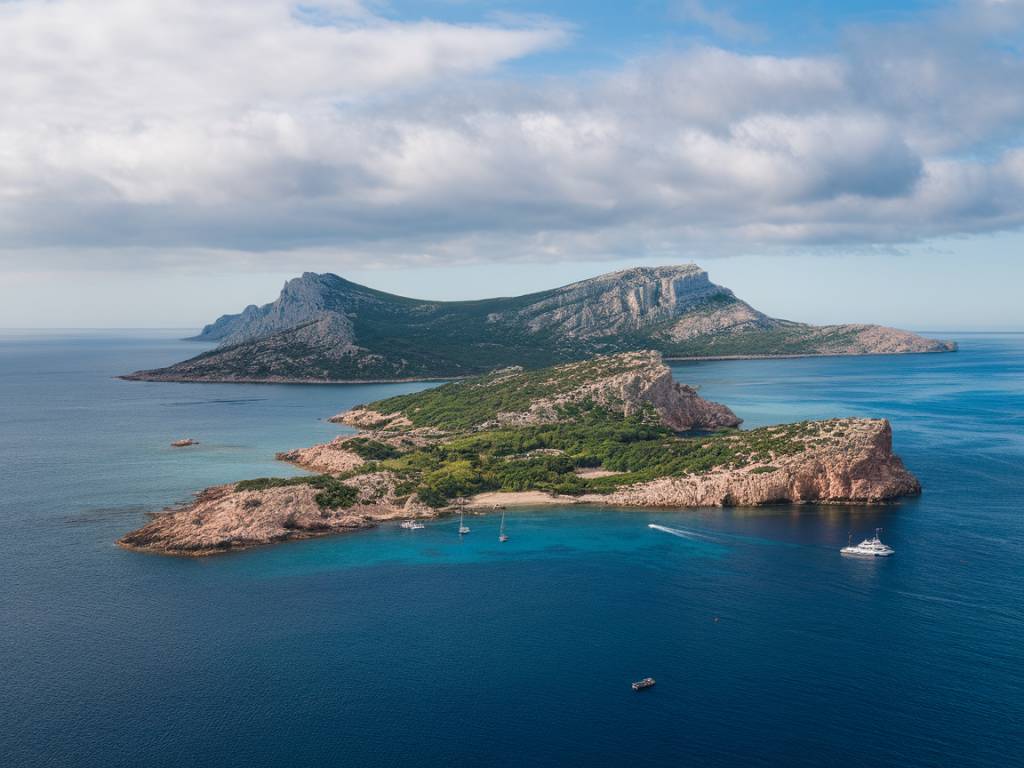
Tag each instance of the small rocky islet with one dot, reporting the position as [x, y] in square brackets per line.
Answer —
[614, 430]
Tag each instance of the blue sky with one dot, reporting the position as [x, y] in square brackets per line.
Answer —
[165, 161]
[609, 33]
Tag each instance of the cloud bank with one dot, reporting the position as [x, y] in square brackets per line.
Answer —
[159, 132]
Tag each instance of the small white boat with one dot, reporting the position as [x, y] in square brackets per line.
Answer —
[463, 528]
[502, 536]
[868, 548]
[412, 525]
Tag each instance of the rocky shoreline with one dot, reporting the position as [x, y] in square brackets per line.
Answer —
[951, 347]
[837, 461]
[175, 378]
[223, 518]
[858, 469]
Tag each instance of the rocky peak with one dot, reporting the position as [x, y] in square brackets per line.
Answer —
[627, 300]
[302, 300]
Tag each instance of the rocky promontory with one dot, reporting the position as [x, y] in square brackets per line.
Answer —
[232, 517]
[845, 461]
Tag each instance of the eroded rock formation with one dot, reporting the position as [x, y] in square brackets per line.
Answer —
[858, 467]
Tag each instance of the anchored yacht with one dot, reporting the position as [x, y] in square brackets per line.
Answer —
[412, 525]
[868, 548]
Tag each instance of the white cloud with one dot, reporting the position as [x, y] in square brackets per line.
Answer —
[182, 132]
[718, 20]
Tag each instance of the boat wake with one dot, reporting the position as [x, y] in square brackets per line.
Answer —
[680, 532]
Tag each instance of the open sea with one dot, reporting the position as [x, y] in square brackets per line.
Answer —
[394, 647]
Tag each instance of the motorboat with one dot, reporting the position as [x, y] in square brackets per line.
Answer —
[872, 547]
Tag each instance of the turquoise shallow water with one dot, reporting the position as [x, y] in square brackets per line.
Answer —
[392, 647]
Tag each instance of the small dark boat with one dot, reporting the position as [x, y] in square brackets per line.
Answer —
[640, 685]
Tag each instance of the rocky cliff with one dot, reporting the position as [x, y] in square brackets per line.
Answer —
[326, 328]
[858, 466]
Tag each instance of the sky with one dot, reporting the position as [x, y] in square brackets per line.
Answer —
[166, 161]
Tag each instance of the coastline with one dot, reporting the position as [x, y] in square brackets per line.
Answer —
[500, 499]
[796, 356]
[171, 379]
[859, 469]
[609, 431]
[285, 380]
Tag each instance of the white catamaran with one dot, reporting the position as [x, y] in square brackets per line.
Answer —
[412, 525]
[868, 548]
[463, 528]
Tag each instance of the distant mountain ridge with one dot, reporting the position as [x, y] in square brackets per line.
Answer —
[325, 328]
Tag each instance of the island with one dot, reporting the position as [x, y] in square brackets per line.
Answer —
[325, 329]
[613, 430]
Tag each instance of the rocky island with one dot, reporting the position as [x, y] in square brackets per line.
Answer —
[614, 430]
[324, 328]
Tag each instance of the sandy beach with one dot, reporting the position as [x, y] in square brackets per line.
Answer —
[518, 499]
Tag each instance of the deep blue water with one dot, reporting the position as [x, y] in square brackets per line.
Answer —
[393, 647]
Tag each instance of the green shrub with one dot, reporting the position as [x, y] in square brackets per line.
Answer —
[505, 459]
[333, 494]
[371, 450]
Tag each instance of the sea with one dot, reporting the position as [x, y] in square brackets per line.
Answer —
[392, 647]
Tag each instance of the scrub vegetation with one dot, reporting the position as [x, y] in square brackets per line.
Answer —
[547, 457]
[332, 493]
